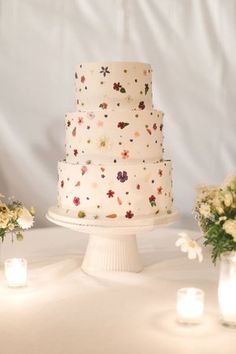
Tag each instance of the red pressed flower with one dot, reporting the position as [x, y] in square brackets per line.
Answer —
[84, 169]
[122, 125]
[125, 154]
[141, 105]
[103, 105]
[159, 190]
[68, 123]
[152, 198]
[75, 152]
[117, 86]
[154, 126]
[138, 186]
[80, 120]
[82, 79]
[110, 194]
[76, 201]
[129, 214]
[160, 172]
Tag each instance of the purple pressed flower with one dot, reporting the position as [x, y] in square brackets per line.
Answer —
[122, 176]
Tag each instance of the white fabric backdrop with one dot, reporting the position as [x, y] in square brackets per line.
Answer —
[191, 47]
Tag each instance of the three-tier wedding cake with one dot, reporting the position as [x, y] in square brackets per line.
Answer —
[114, 170]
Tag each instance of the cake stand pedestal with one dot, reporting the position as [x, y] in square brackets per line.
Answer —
[111, 248]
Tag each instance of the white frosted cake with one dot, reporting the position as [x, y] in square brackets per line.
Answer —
[114, 168]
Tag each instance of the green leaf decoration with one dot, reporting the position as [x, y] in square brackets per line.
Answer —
[122, 90]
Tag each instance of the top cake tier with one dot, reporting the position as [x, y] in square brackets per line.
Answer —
[113, 85]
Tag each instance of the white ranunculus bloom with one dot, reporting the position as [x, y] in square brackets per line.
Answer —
[25, 220]
[230, 227]
[189, 246]
[205, 210]
[228, 198]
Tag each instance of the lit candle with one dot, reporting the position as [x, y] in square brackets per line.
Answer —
[227, 288]
[190, 304]
[16, 272]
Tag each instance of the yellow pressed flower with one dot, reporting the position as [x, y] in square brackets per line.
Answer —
[103, 143]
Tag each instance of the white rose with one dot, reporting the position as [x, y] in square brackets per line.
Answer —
[205, 210]
[25, 220]
[218, 206]
[228, 198]
[230, 227]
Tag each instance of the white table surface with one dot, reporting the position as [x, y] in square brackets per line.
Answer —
[65, 311]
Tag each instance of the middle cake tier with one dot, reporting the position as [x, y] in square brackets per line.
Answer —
[114, 136]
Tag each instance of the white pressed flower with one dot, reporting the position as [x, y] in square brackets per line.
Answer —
[228, 198]
[25, 219]
[205, 210]
[230, 227]
[90, 115]
[103, 143]
[189, 246]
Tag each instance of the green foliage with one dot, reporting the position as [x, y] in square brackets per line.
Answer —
[219, 240]
[215, 211]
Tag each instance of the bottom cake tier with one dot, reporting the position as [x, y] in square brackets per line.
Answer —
[115, 191]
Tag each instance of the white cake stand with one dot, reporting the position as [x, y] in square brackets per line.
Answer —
[111, 247]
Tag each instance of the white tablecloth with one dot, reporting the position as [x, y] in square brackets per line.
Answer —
[65, 311]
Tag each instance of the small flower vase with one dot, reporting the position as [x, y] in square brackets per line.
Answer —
[227, 288]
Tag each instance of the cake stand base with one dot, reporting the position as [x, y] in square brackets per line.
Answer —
[118, 253]
[111, 248]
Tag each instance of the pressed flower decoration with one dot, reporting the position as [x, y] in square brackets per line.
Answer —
[141, 105]
[129, 214]
[76, 201]
[215, 212]
[122, 176]
[118, 87]
[122, 125]
[82, 79]
[152, 200]
[104, 70]
[103, 143]
[125, 154]
[90, 115]
[103, 105]
[110, 193]
[14, 217]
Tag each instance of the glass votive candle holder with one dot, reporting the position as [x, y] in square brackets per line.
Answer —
[190, 305]
[227, 289]
[16, 272]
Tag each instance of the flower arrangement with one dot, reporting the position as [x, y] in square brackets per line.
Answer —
[215, 212]
[14, 217]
